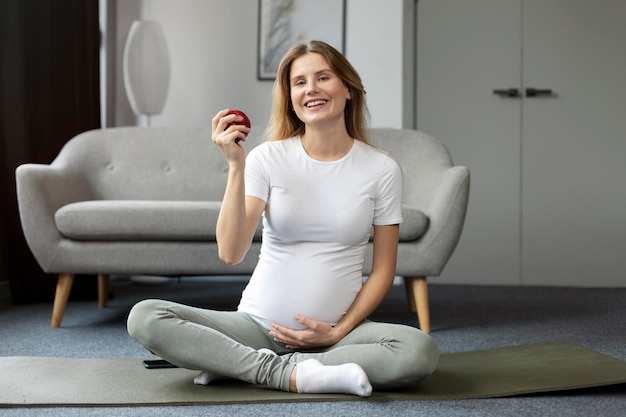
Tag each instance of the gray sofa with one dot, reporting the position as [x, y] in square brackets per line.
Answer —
[140, 200]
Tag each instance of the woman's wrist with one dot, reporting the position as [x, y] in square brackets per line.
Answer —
[341, 330]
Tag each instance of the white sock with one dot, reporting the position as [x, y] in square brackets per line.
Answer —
[206, 377]
[314, 378]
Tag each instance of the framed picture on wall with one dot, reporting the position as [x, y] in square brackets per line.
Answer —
[284, 23]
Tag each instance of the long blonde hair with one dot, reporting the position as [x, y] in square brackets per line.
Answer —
[284, 123]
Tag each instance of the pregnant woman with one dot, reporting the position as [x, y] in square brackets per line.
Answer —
[321, 191]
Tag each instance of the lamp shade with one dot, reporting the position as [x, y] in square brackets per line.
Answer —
[146, 67]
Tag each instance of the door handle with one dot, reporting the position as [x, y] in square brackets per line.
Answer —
[507, 92]
[539, 92]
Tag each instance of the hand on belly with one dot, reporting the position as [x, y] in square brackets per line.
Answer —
[311, 334]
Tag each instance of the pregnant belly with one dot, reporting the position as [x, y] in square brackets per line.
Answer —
[276, 295]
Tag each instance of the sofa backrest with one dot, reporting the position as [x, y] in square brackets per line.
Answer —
[421, 157]
[156, 163]
[148, 163]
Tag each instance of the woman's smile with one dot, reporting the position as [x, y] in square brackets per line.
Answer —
[317, 93]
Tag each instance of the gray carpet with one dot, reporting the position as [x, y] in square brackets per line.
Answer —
[463, 318]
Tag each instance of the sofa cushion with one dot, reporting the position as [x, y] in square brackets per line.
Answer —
[145, 220]
[148, 220]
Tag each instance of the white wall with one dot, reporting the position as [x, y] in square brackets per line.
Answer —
[379, 43]
[213, 49]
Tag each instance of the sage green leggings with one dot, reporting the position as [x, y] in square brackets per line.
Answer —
[227, 343]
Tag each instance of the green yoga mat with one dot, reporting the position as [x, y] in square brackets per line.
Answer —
[506, 371]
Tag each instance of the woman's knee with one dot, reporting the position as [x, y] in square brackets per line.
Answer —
[427, 355]
[415, 359]
[141, 317]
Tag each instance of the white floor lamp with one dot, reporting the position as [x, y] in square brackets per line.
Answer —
[146, 79]
[146, 67]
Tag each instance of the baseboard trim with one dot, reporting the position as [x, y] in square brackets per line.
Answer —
[5, 291]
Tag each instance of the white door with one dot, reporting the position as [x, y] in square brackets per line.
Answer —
[574, 143]
[465, 51]
[548, 192]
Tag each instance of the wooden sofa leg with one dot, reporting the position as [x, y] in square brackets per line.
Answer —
[64, 287]
[417, 291]
[103, 290]
[410, 294]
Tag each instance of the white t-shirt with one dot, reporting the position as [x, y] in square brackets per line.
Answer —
[317, 222]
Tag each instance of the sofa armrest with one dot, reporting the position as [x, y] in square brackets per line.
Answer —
[446, 208]
[41, 191]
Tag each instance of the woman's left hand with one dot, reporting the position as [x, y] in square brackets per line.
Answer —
[315, 334]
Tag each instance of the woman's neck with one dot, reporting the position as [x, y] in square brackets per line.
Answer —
[326, 146]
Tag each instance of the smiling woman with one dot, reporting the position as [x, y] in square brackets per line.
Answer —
[302, 322]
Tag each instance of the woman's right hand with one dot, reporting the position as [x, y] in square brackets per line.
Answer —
[227, 138]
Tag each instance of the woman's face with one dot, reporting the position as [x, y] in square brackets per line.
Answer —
[318, 95]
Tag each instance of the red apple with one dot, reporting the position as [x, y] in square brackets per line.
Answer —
[245, 121]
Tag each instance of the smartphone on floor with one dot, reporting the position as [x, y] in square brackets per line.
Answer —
[157, 364]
